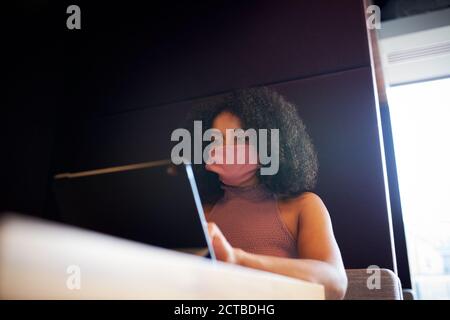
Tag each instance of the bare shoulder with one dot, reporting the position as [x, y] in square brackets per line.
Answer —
[304, 200]
[309, 199]
[306, 206]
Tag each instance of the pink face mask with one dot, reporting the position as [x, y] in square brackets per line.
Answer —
[233, 171]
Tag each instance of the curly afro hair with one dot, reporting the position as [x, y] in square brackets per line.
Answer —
[262, 108]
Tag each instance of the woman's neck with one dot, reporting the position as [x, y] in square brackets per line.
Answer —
[253, 181]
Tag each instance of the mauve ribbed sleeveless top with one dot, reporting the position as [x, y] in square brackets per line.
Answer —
[250, 219]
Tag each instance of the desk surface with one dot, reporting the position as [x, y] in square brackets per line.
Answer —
[43, 260]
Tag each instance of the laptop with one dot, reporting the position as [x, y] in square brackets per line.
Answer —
[156, 203]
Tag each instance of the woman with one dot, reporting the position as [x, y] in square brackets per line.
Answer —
[270, 222]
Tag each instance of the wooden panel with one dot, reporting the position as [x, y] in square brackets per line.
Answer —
[135, 136]
[125, 58]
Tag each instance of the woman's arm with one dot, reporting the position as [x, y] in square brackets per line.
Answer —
[320, 260]
[310, 270]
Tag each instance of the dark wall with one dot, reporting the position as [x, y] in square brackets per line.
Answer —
[32, 91]
[132, 74]
[128, 58]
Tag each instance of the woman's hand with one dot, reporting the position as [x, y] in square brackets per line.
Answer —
[222, 248]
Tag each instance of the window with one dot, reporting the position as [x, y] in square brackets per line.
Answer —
[420, 117]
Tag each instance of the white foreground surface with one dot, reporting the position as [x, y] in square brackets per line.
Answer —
[44, 260]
